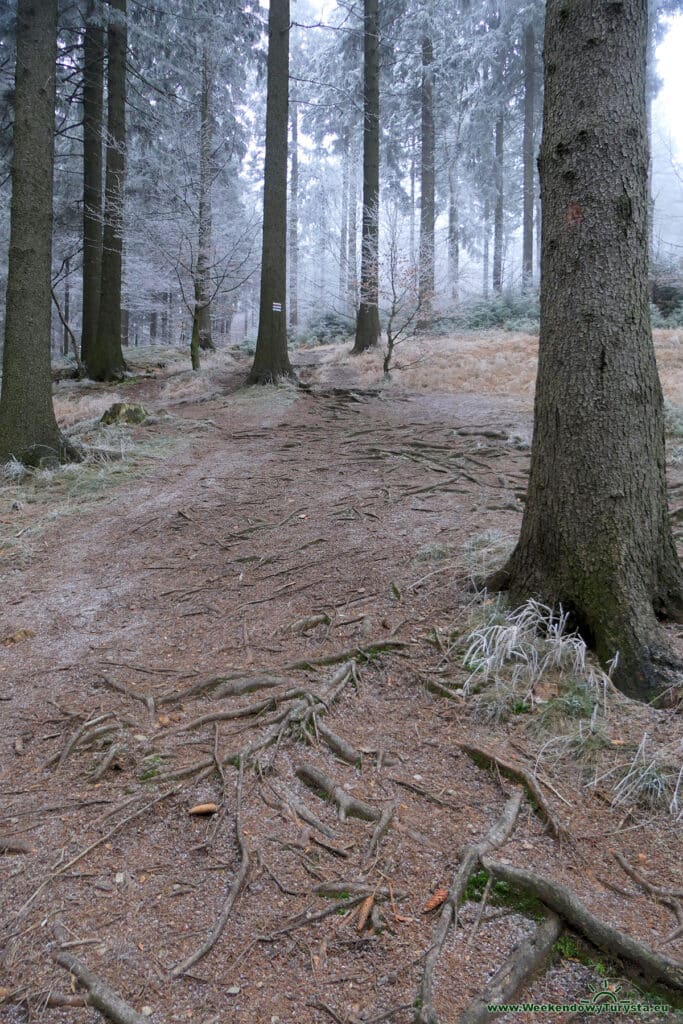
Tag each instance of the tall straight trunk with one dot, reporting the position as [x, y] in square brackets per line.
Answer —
[486, 259]
[528, 153]
[125, 326]
[93, 111]
[28, 429]
[499, 200]
[596, 534]
[367, 322]
[352, 256]
[67, 308]
[453, 230]
[203, 303]
[271, 359]
[411, 222]
[293, 215]
[344, 219]
[105, 360]
[426, 268]
[153, 326]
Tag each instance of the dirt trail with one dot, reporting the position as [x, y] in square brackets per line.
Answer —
[354, 509]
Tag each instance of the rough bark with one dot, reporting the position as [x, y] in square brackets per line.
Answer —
[93, 109]
[293, 254]
[453, 230]
[367, 322]
[28, 429]
[426, 267]
[105, 358]
[271, 359]
[66, 329]
[344, 219]
[596, 535]
[528, 152]
[352, 257]
[203, 308]
[499, 203]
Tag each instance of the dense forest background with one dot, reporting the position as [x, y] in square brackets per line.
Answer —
[461, 103]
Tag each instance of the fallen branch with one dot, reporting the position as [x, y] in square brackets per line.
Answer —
[471, 855]
[652, 965]
[232, 894]
[518, 774]
[514, 975]
[100, 994]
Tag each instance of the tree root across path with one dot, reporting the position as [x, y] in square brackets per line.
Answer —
[100, 994]
[526, 960]
[652, 965]
[471, 856]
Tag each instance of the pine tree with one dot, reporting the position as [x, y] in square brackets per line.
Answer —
[596, 535]
[28, 428]
[271, 359]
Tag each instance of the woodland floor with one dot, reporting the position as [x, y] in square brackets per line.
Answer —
[235, 518]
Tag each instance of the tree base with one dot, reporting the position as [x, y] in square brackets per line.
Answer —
[45, 456]
[271, 376]
[624, 633]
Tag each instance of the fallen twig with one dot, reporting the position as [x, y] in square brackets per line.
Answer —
[231, 896]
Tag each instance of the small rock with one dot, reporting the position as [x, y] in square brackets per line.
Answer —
[146, 1011]
[233, 990]
[119, 878]
[124, 412]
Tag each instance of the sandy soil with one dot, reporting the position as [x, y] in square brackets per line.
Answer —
[249, 537]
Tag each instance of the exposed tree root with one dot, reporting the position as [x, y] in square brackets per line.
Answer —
[348, 805]
[83, 735]
[470, 857]
[519, 774]
[363, 653]
[8, 844]
[100, 994]
[517, 971]
[652, 965]
[230, 898]
[669, 897]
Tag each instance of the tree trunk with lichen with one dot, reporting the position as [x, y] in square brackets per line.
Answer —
[28, 428]
[271, 359]
[105, 357]
[367, 320]
[596, 535]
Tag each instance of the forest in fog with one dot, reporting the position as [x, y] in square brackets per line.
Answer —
[461, 101]
[341, 512]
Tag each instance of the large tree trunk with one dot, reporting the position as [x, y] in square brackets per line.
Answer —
[426, 268]
[66, 329]
[93, 109]
[271, 359]
[28, 429]
[596, 535]
[367, 322]
[105, 360]
[293, 254]
[352, 257]
[486, 243]
[453, 230]
[203, 311]
[528, 153]
[344, 219]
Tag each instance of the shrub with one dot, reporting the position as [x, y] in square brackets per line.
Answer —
[324, 328]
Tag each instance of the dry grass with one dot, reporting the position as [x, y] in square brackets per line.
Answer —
[487, 362]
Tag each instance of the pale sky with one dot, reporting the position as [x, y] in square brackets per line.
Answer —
[670, 70]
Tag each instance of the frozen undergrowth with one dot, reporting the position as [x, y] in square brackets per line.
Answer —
[528, 661]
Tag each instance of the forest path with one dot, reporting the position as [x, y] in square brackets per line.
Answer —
[286, 529]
